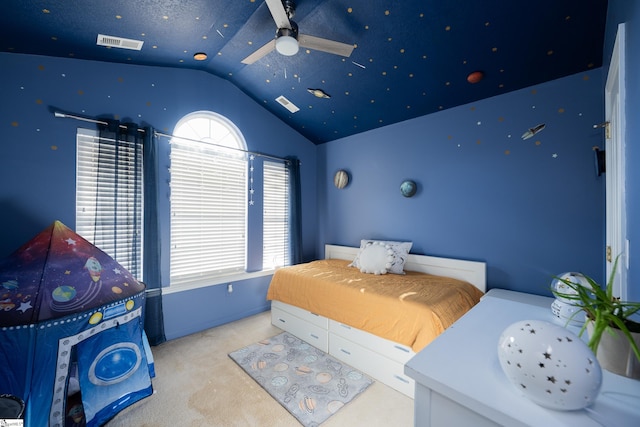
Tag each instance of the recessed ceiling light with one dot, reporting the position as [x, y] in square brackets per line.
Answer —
[200, 56]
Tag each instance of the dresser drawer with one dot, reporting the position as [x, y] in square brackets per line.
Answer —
[394, 351]
[313, 334]
[374, 364]
[305, 315]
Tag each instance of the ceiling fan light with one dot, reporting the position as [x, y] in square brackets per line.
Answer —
[287, 45]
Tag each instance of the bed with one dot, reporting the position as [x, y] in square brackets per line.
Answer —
[360, 335]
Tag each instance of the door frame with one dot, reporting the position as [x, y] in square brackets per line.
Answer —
[615, 129]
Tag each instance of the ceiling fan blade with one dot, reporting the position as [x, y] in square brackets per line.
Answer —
[325, 45]
[278, 13]
[258, 54]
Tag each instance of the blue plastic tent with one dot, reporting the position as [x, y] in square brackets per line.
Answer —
[72, 343]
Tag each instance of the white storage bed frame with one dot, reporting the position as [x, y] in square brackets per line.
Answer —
[378, 357]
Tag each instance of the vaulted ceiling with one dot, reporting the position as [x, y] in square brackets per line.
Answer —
[410, 58]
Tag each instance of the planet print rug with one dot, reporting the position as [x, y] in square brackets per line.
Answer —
[307, 382]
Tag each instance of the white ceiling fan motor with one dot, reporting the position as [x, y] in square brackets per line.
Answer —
[287, 40]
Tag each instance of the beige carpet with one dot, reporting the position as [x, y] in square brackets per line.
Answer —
[197, 384]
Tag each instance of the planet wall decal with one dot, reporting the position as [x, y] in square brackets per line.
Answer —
[408, 188]
[475, 77]
[341, 179]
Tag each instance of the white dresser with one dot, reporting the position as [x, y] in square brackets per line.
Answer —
[459, 381]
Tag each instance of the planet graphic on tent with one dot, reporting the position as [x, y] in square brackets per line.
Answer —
[63, 293]
[10, 285]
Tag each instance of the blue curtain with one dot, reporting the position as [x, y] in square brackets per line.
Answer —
[152, 276]
[295, 211]
[114, 140]
[117, 133]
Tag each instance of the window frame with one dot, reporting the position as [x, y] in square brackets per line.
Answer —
[226, 151]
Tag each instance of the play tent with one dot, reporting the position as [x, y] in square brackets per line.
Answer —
[72, 344]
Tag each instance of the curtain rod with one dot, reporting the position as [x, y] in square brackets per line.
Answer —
[266, 156]
[85, 119]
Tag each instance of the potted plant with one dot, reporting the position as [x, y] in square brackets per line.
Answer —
[606, 313]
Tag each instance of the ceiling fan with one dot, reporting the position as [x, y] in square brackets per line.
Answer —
[288, 40]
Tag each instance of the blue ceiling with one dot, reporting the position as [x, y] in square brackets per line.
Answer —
[411, 57]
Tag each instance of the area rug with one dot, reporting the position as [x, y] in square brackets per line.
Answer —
[307, 382]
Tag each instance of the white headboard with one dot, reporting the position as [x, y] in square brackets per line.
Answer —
[474, 272]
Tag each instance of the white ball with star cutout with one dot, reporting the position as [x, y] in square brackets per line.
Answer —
[549, 365]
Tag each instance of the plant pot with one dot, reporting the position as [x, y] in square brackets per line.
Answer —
[615, 353]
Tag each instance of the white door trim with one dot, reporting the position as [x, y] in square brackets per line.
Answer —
[616, 221]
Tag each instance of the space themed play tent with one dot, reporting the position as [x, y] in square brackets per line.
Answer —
[72, 344]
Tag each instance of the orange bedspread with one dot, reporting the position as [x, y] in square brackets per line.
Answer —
[410, 309]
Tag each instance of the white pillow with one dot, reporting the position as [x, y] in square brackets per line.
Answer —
[400, 252]
[376, 258]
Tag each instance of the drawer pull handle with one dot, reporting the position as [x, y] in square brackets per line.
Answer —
[282, 320]
[345, 351]
[404, 380]
[314, 336]
[345, 326]
[401, 348]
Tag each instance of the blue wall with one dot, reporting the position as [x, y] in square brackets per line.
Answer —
[629, 12]
[38, 156]
[530, 209]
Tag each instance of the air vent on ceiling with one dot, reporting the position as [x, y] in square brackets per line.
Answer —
[287, 104]
[120, 42]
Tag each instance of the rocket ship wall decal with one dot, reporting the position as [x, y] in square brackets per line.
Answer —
[532, 131]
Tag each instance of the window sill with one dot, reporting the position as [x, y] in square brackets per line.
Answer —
[216, 281]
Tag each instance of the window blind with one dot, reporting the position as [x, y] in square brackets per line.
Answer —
[276, 215]
[109, 195]
[208, 211]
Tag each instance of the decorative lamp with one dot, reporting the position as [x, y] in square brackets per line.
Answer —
[565, 308]
[549, 365]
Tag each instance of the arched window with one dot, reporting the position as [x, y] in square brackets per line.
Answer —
[208, 198]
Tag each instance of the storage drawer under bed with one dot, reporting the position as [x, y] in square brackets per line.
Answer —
[303, 314]
[301, 328]
[374, 364]
[392, 350]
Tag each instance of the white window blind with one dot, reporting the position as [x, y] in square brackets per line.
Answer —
[208, 203]
[276, 216]
[109, 195]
